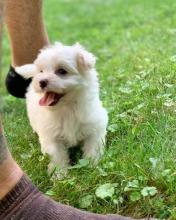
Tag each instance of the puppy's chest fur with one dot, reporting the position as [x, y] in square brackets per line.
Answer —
[67, 122]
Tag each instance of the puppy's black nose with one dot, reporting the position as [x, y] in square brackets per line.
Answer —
[43, 83]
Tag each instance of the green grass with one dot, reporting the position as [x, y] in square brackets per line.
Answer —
[135, 41]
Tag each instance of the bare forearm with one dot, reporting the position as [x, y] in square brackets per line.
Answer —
[3, 149]
[10, 172]
[26, 29]
[3, 146]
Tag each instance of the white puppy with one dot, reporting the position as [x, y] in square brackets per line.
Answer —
[63, 103]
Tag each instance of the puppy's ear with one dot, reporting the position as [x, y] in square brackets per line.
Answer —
[85, 59]
[26, 71]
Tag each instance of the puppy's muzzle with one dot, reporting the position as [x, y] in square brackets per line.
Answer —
[43, 83]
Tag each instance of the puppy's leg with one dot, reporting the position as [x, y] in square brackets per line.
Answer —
[93, 148]
[58, 155]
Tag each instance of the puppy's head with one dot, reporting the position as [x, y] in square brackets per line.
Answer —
[59, 70]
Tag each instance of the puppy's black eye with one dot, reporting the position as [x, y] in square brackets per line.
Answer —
[41, 71]
[61, 71]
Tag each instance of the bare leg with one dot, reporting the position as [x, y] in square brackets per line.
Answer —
[26, 29]
[27, 36]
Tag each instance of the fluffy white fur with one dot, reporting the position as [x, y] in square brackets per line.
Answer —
[78, 116]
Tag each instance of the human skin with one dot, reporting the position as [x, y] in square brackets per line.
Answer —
[27, 36]
[10, 172]
[26, 29]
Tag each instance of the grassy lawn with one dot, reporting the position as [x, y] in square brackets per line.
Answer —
[135, 41]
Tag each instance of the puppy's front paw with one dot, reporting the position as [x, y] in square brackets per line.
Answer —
[55, 172]
[93, 150]
[93, 158]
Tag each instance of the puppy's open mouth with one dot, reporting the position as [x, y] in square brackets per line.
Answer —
[50, 99]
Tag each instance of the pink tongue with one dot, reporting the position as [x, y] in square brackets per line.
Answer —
[49, 99]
